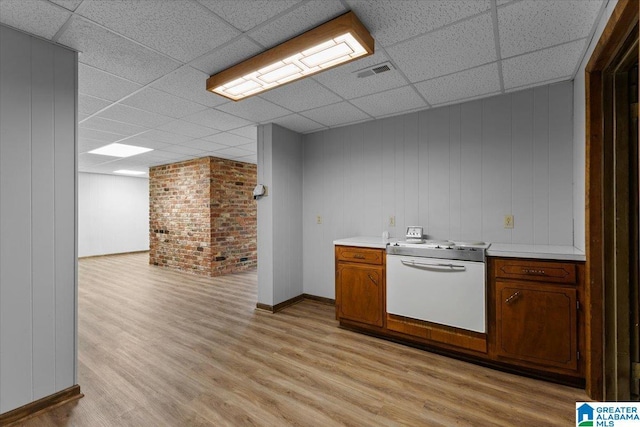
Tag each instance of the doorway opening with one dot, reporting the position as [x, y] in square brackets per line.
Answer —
[612, 209]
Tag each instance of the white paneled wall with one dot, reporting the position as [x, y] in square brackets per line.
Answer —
[113, 214]
[455, 170]
[38, 87]
[279, 215]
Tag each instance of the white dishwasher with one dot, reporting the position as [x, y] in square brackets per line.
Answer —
[438, 282]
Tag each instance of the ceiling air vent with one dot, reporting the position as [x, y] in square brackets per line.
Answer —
[376, 69]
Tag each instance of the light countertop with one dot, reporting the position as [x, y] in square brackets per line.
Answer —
[364, 242]
[551, 252]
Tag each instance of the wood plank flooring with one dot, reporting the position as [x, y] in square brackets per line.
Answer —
[160, 348]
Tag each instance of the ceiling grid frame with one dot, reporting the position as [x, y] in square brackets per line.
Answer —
[173, 142]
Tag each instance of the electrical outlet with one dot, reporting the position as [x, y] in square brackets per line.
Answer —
[508, 221]
[318, 219]
[392, 221]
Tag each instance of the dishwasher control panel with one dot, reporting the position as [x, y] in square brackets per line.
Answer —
[414, 234]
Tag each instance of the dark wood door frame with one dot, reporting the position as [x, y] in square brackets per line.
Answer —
[621, 23]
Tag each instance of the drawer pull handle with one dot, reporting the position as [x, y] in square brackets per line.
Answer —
[512, 298]
[372, 279]
[359, 256]
[534, 272]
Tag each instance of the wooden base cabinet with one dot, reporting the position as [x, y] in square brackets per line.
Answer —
[360, 285]
[534, 322]
[537, 320]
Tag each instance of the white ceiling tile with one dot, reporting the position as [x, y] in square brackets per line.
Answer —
[526, 26]
[227, 138]
[447, 51]
[94, 82]
[162, 136]
[169, 162]
[35, 17]
[301, 95]
[86, 159]
[226, 56]
[336, 114]
[543, 65]
[182, 149]
[182, 29]
[130, 163]
[126, 114]
[255, 109]
[250, 132]
[90, 105]
[182, 127]
[465, 84]
[107, 51]
[232, 152]
[252, 147]
[98, 135]
[189, 83]
[204, 146]
[106, 125]
[307, 16]
[68, 4]
[246, 14]
[390, 102]
[114, 165]
[139, 141]
[154, 100]
[156, 155]
[178, 157]
[391, 21]
[86, 144]
[216, 119]
[247, 159]
[298, 123]
[344, 81]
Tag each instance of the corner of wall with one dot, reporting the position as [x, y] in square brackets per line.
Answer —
[279, 215]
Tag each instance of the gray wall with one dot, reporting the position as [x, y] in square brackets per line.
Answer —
[38, 86]
[113, 214]
[279, 215]
[455, 170]
[579, 134]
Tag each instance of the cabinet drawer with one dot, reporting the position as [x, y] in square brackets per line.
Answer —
[363, 255]
[541, 271]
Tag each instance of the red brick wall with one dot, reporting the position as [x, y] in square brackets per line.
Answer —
[202, 216]
[233, 216]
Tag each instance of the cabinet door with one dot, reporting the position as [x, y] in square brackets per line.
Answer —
[536, 324]
[360, 293]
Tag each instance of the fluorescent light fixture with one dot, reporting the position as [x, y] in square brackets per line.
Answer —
[335, 42]
[120, 150]
[128, 172]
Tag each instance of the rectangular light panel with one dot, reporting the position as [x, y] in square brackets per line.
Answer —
[120, 150]
[336, 42]
[129, 172]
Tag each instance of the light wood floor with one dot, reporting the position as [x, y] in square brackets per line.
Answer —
[158, 348]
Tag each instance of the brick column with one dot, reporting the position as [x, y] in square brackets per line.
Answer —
[202, 217]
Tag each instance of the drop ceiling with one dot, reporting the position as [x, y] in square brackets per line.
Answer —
[144, 63]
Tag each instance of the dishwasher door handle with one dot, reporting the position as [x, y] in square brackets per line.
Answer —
[432, 266]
